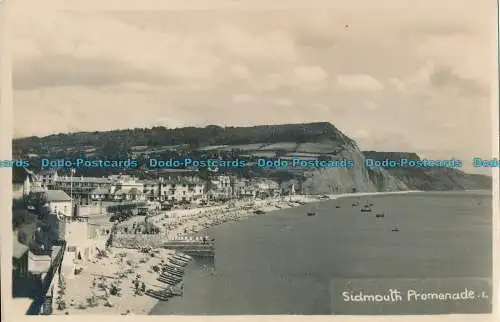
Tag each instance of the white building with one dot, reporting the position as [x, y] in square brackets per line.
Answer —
[30, 187]
[181, 191]
[59, 203]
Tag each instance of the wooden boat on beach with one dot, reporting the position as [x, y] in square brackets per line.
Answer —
[171, 277]
[172, 266]
[182, 258]
[167, 281]
[175, 271]
[178, 263]
[176, 275]
[159, 295]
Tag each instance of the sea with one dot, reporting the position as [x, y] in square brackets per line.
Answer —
[284, 262]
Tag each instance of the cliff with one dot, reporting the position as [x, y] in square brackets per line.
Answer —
[320, 140]
[433, 178]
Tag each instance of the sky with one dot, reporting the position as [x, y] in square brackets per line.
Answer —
[395, 75]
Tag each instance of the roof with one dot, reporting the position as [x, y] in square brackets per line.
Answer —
[149, 182]
[38, 264]
[100, 191]
[18, 249]
[56, 195]
[84, 179]
[135, 191]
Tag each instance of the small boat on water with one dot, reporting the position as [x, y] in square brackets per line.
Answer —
[259, 212]
[366, 210]
[395, 229]
[355, 204]
[311, 214]
[337, 206]
[380, 215]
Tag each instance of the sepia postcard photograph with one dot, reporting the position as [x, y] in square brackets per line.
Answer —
[308, 158]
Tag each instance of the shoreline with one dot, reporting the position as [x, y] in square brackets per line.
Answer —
[176, 223]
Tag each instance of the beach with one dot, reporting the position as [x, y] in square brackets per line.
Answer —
[88, 292]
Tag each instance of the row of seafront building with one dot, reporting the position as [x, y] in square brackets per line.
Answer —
[177, 189]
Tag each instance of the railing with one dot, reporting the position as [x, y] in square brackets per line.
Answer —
[39, 301]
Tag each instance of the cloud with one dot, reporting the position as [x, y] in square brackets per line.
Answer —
[284, 101]
[96, 70]
[241, 71]
[242, 98]
[65, 70]
[361, 82]
[397, 83]
[445, 77]
[370, 105]
[310, 74]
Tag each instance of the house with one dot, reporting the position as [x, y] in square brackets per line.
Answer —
[77, 187]
[83, 242]
[222, 187]
[32, 186]
[59, 203]
[100, 193]
[126, 183]
[151, 189]
[128, 195]
[180, 191]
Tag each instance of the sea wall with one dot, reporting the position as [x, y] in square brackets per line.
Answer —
[137, 241]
